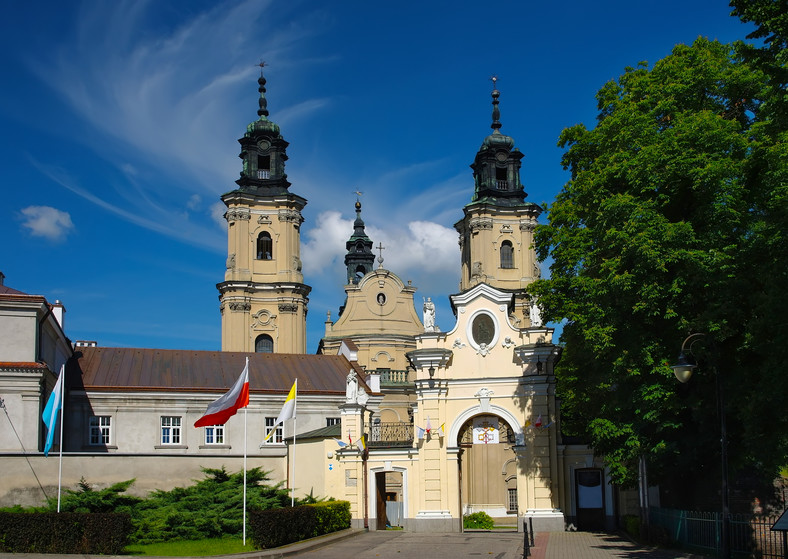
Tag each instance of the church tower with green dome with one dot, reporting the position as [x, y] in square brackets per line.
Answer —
[263, 298]
[496, 232]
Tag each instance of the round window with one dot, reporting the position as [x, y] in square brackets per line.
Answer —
[483, 329]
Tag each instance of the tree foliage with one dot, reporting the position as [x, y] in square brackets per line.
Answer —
[212, 507]
[674, 222]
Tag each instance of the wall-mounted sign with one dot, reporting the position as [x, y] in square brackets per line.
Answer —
[485, 430]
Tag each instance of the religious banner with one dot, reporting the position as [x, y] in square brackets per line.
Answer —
[485, 430]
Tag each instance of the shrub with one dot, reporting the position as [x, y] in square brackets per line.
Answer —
[48, 532]
[277, 527]
[478, 521]
[631, 524]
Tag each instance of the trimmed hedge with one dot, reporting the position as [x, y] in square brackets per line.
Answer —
[276, 527]
[64, 532]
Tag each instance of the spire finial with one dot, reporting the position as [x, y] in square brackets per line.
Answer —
[496, 114]
[262, 102]
[380, 248]
[358, 194]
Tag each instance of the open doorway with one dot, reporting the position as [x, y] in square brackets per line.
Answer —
[488, 469]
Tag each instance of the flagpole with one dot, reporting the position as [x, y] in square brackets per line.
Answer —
[245, 417]
[62, 418]
[295, 405]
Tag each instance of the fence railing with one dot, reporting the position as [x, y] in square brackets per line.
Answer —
[390, 434]
[394, 377]
[750, 535]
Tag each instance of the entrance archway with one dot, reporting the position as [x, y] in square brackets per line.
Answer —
[488, 467]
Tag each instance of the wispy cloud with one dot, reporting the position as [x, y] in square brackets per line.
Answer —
[47, 222]
[160, 220]
[167, 97]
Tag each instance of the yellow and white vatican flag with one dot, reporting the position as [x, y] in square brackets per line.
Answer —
[288, 410]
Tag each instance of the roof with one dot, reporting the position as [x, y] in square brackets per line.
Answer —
[331, 432]
[4, 289]
[134, 369]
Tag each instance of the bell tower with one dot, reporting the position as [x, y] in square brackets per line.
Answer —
[496, 232]
[359, 258]
[263, 299]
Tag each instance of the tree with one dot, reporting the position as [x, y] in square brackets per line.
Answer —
[670, 224]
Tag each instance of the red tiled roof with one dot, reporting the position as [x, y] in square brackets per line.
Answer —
[112, 368]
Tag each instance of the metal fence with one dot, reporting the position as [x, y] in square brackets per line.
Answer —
[396, 434]
[750, 535]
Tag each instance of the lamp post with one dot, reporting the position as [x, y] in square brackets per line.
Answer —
[683, 370]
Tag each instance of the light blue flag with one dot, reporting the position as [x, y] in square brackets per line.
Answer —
[54, 404]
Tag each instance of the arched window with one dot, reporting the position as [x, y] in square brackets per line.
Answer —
[264, 246]
[264, 344]
[507, 255]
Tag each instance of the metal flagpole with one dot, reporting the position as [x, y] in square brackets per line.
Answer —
[246, 408]
[62, 418]
[245, 415]
[295, 405]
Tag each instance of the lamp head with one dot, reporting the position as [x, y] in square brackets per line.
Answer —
[683, 368]
[431, 371]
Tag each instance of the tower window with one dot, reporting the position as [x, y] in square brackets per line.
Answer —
[264, 246]
[500, 178]
[263, 166]
[264, 344]
[507, 255]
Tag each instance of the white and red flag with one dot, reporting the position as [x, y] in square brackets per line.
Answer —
[222, 409]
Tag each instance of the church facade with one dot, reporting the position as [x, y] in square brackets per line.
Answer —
[416, 427]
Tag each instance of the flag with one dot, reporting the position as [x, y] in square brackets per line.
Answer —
[349, 440]
[342, 444]
[288, 410]
[429, 425]
[442, 430]
[54, 404]
[362, 443]
[222, 409]
[420, 432]
[538, 421]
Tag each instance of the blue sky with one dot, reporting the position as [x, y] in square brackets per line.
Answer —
[119, 124]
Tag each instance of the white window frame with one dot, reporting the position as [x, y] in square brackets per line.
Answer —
[100, 430]
[170, 434]
[278, 437]
[333, 421]
[215, 432]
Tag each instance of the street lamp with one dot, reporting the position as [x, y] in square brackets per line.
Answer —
[683, 370]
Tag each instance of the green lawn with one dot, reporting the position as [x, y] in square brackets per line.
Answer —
[216, 546]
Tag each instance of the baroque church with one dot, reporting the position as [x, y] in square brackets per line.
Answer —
[416, 427]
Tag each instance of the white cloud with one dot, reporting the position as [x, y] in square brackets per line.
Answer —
[216, 212]
[425, 252]
[193, 202]
[47, 222]
[323, 252]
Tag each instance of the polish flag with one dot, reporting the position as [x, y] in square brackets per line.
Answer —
[219, 411]
[538, 421]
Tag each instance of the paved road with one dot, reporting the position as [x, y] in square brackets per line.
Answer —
[356, 544]
[498, 545]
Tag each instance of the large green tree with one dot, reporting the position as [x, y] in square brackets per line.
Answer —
[673, 222]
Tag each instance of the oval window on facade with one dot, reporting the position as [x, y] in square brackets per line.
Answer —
[483, 329]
